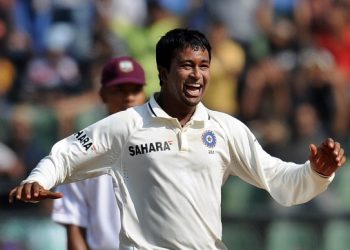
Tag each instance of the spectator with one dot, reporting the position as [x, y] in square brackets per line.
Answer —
[228, 60]
[56, 73]
[11, 167]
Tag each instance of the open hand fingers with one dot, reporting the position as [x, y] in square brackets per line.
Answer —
[24, 192]
[330, 156]
[47, 194]
[15, 193]
[335, 151]
[341, 158]
[32, 192]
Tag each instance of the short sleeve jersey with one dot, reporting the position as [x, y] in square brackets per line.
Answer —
[90, 204]
[168, 177]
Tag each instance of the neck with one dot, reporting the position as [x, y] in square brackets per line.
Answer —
[181, 112]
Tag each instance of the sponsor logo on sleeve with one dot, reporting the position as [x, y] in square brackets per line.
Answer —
[83, 139]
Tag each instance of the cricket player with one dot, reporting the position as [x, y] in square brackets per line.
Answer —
[89, 209]
[170, 157]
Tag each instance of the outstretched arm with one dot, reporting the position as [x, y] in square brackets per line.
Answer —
[327, 158]
[32, 192]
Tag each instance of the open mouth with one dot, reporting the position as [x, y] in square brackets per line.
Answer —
[193, 89]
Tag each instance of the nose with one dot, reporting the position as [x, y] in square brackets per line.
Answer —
[128, 96]
[196, 73]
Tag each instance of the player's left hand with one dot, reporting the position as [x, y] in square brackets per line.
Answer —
[32, 192]
[327, 158]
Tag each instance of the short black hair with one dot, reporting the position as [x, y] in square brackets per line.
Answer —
[179, 39]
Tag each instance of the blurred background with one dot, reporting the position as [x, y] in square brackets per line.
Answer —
[281, 66]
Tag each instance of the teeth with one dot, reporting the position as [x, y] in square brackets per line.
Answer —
[194, 85]
[193, 89]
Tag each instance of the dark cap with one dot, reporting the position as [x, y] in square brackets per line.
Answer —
[122, 70]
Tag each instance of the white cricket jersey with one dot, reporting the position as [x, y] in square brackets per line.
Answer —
[168, 178]
[90, 204]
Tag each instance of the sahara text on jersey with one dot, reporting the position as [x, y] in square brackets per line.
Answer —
[149, 147]
[84, 140]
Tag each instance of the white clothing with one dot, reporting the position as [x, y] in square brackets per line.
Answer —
[90, 204]
[168, 178]
[8, 157]
[124, 12]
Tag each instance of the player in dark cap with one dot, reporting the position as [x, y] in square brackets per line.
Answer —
[89, 210]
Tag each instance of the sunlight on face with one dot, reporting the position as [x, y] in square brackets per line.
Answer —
[188, 76]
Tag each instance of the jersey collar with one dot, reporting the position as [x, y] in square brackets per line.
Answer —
[200, 115]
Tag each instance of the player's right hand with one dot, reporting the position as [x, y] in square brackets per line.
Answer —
[32, 192]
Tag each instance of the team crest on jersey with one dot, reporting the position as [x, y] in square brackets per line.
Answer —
[209, 139]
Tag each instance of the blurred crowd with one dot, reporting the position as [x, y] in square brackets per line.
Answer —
[281, 66]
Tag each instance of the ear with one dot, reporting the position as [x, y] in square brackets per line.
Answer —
[163, 74]
[102, 94]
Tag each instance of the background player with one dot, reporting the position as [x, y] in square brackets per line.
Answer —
[89, 209]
